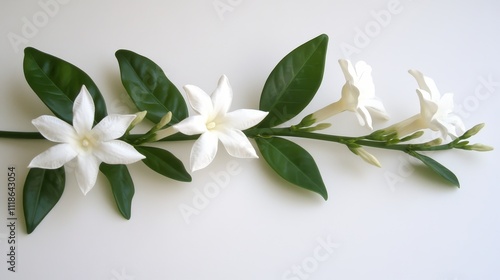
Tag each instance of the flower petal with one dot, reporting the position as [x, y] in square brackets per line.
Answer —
[54, 157]
[192, 125]
[363, 80]
[204, 150]
[199, 100]
[112, 127]
[83, 112]
[117, 152]
[364, 117]
[427, 106]
[86, 169]
[243, 118]
[54, 129]
[426, 84]
[347, 69]
[222, 97]
[236, 143]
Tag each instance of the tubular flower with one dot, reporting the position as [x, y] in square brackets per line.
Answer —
[215, 123]
[358, 96]
[85, 147]
[436, 111]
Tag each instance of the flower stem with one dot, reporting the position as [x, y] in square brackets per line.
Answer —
[20, 135]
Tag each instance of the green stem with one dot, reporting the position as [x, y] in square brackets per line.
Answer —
[269, 132]
[20, 135]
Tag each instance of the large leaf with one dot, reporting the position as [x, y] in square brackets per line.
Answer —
[164, 162]
[42, 190]
[149, 88]
[293, 82]
[293, 163]
[57, 83]
[437, 167]
[122, 186]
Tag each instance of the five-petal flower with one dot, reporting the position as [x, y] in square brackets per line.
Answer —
[215, 123]
[436, 111]
[358, 96]
[84, 145]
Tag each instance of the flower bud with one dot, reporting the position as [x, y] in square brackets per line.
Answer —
[366, 156]
[478, 147]
[473, 131]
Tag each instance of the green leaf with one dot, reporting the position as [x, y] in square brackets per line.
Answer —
[149, 88]
[293, 163]
[437, 167]
[42, 190]
[122, 186]
[57, 83]
[293, 82]
[164, 162]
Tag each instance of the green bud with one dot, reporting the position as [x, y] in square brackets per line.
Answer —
[478, 147]
[320, 126]
[413, 136]
[366, 156]
[435, 142]
[164, 121]
[473, 131]
[139, 116]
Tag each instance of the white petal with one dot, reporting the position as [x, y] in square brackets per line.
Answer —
[426, 84]
[222, 97]
[54, 129]
[192, 125]
[83, 112]
[364, 81]
[86, 170]
[117, 152]
[54, 157]
[347, 69]
[236, 143]
[364, 117]
[112, 127]
[350, 96]
[427, 106]
[446, 103]
[199, 100]
[204, 150]
[243, 118]
[376, 107]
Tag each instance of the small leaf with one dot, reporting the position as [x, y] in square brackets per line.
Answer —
[293, 82]
[293, 163]
[149, 88]
[122, 186]
[42, 190]
[57, 83]
[164, 162]
[437, 167]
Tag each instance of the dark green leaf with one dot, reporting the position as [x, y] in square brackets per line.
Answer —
[42, 190]
[57, 83]
[122, 186]
[149, 88]
[293, 163]
[293, 82]
[164, 162]
[437, 167]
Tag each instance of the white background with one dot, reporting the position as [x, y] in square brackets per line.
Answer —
[398, 222]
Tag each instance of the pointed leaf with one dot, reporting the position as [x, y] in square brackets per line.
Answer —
[57, 83]
[149, 88]
[293, 82]
[164, 162]
[122, 186]
[42, 190]
[437, 167]
[293, 163]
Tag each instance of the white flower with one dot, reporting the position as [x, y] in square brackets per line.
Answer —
[436, 111]
[358, 96]
[84, 146]
[214, 123]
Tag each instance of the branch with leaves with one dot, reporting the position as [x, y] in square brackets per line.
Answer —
[89, 140]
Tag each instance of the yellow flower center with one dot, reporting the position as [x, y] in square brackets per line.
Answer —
[211, 125]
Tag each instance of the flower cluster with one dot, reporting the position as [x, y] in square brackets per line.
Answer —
[90, 141]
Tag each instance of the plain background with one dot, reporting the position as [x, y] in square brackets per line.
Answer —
[398, 222]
